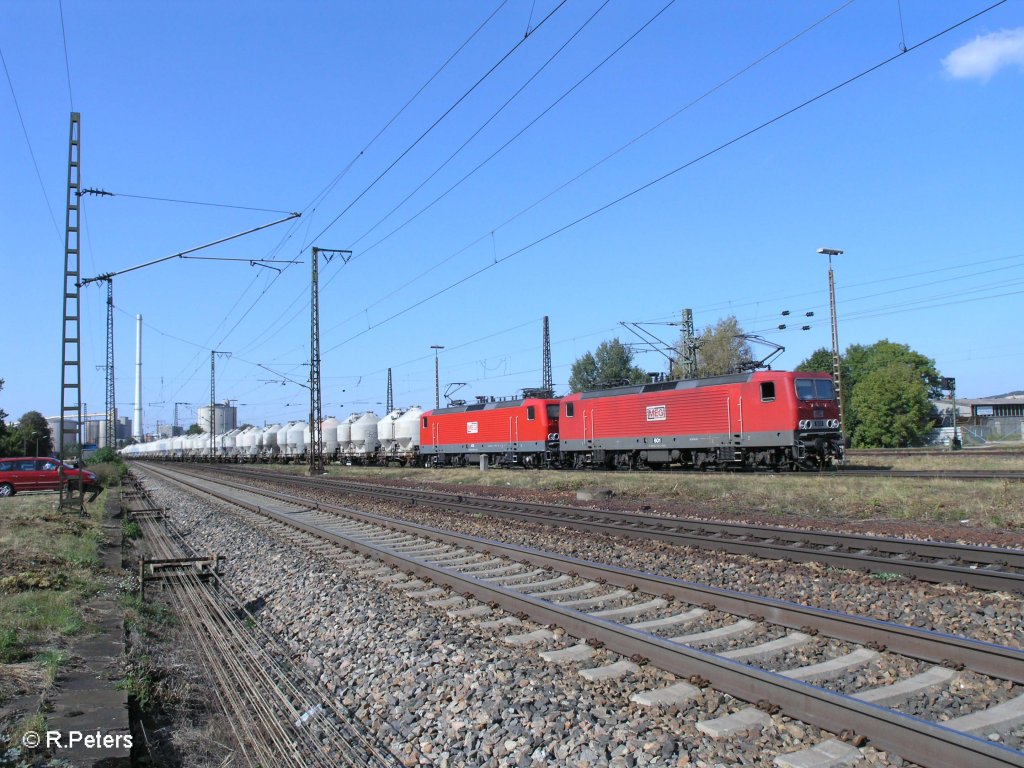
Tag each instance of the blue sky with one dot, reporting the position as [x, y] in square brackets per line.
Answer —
[349, 113]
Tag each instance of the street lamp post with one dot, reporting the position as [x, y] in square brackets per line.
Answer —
[837, 371]
[437, 375]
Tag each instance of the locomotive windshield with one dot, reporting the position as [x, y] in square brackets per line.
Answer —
[815, 389]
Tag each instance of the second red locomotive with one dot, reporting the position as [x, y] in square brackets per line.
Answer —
[521, 432]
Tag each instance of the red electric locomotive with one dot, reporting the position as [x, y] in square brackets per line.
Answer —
[522, 432]
[770, 419]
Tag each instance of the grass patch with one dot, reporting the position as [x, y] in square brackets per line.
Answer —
[36, 579]
[139, 684]
[33, 724]
[41, 613]
[49, 562]
[51, 661]
[131, 529]
[147, 616]
[12, 650]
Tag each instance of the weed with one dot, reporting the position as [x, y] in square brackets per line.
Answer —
[144, 614]
[82, 550]
[26, 580]
[34, 724]
[139, 686]
[12, 650]
[52, 661]
[131, 529]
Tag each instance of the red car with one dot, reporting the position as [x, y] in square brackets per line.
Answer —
[41, 474]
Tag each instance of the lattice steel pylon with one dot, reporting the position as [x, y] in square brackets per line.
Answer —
[837, 368]
[315, 453]
[690, 344]
[177, 425]
[213, 399]
[391, 394]
[110, 426]
[547, 379]
[71, 348]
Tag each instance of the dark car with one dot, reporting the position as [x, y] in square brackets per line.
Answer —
[42, 474]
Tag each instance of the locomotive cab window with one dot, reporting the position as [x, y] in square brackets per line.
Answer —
[570, 410]
[425, 422]
[815, 389]
[767, 391]
[531, 412]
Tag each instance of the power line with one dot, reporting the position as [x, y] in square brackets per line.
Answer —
[692, 103]
[433, 125]
[67, 64]
[669, 174]
[670, 314]
[35, 165]
[487, 122]
[607, 157]
[104, 193]
[311, 207]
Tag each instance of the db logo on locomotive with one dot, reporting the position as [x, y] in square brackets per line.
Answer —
[657, 413]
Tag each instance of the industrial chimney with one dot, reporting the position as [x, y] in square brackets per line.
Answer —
[137, 425]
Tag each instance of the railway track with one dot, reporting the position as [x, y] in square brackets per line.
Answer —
[606, 606]
[847, 470]
[966, 452]
[276, 715]
[988, 568]
[928, 474]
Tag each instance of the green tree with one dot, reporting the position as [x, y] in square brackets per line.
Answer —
[820, 360]
[104, 456]
[881, 415]
[611, 363]
[723, 349]
[195, 429]
[3, 426]
[859, 361]
[890, 407]
[30, 435]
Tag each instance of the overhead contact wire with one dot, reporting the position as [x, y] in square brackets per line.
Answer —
[673, 172]
[437, 122]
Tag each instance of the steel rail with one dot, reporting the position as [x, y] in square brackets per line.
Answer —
[918, 740]
[251, 679]
[950, 562]
[990, 659]
[929, 474]
[945, 452]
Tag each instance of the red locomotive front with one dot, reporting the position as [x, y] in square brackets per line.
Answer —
[766, 419]
[521, 432]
